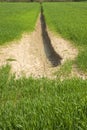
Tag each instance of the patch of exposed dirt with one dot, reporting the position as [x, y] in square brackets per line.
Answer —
[36, 54]
[64, 48]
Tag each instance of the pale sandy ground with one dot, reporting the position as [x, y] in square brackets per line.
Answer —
[27, 56]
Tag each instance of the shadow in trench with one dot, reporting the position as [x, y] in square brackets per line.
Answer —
[52, 56]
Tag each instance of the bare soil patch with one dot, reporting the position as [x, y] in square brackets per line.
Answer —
[34, 55]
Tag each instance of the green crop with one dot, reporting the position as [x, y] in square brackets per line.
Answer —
[70, 20]
[42, 104]
[17, 18]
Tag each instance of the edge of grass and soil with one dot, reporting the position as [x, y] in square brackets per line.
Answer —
[64, 55]
[44, 104]
[26, 59]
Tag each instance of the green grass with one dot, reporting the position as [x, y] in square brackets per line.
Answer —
[42, 104]
[38, 104]
[17, 18]
[70, 20]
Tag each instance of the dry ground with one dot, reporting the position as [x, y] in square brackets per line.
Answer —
[28, 56]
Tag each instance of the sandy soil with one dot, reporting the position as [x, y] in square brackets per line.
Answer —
[30, 57]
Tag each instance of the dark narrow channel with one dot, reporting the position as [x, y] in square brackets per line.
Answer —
[51, 54]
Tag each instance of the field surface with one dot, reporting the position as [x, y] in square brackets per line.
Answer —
[70, 20]
[42, 102]
[17, 18]
[33, 54]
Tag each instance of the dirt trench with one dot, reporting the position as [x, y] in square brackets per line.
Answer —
[51, 54]
[38, 54]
